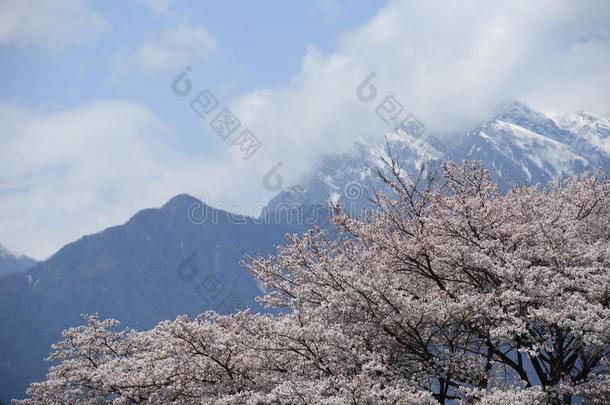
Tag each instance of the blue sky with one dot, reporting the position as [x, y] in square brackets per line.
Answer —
[91, 131]
[257, 45]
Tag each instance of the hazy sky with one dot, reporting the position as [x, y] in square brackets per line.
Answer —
[92, 131]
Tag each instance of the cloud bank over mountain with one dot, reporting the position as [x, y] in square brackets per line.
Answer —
[449, 63]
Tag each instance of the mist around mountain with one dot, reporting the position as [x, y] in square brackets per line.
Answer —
[183, 258]
[519, 145]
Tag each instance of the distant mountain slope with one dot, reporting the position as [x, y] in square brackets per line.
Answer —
[140, 273]
[10, 262]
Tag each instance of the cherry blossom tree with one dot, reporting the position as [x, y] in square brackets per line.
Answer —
[450, 291]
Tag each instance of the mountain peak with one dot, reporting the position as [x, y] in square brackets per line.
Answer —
[515, 110]
[180, 201]
[517, 113]
[187, 207]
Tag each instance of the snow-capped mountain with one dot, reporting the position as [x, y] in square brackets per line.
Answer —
[523, 146]
[588, 127]
[518, 144]
[11, 262]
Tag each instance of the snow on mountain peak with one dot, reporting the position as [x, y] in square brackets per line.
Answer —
[519, 144]
[589, 128]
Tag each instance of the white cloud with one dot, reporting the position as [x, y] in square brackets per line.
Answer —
[170, 51]
[55, 24]
[157, 6]
[80, 170]
[449, 63]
